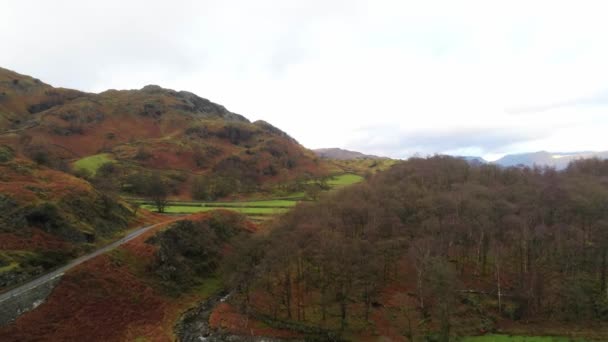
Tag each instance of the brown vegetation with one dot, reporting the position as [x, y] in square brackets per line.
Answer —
[439, 247]
[176, 133]
[122, 295]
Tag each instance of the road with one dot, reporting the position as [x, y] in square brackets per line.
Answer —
[58, 272]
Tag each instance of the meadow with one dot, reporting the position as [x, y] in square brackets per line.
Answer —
[257, 208]
[92, 163]
[344, 180]
[190, 209]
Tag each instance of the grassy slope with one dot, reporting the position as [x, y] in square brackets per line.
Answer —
[92, 163]
[360, 166]
[344, 180]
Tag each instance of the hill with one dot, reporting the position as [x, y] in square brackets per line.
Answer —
[339, 161]
[176, 133]
[68, 160]
[474, 160]
[341, 154]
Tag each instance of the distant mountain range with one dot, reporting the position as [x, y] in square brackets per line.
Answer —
[558, 160]
[341, 154]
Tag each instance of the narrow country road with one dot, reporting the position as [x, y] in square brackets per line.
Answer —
[58, 272]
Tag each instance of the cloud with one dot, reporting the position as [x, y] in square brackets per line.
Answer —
[401, 144]
[429, 76]
[598, 99]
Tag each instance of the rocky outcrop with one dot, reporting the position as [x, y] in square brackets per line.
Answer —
[15, 305]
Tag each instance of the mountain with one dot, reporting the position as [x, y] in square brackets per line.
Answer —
[474, 160]
[342, 154]
[557, 160]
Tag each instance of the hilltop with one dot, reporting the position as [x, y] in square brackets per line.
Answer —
[177, 133]
[342, 154]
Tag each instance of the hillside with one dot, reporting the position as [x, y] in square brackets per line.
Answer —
[177, 133]
[138, 291]
[68, 160]
[436, 248]
[341, 154]
[48, 217]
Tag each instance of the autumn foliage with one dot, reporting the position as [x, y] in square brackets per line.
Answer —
[438, 247]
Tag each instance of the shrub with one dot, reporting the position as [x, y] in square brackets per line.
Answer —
[6, 154]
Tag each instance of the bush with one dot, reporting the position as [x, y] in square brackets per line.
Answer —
[50, 259]
[186, 250]
[6, 154]
[142, 154]
[513, 310]
[210, 188]
[190, 250]
[82, 173]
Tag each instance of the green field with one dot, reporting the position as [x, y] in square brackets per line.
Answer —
[344, 180]
[257, 208]
[279, 203]
[176, 209]
[508, 338]
[92, 163]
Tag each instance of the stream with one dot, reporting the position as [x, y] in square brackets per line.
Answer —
[194, 325]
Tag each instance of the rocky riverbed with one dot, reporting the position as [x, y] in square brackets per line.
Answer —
[194, 325]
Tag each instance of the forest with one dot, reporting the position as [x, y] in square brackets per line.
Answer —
[436, 247]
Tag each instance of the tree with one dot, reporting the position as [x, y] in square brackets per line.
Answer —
[535, 242]
[443, 284]
[157, 191]
[313, 191]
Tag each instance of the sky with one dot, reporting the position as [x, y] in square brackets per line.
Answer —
[392, 78]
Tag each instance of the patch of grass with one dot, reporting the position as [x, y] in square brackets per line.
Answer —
[11, 266]
[335, 182]
[344, 180]
[92, 163]
[294, 196]
[274, 203]
[509, 338]
[195, 209]
[361, 166]
[255, 204]
[209, 286]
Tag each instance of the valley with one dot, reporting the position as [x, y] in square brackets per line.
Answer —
[158, 215]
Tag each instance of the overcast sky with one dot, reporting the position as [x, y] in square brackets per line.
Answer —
[386, 77]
